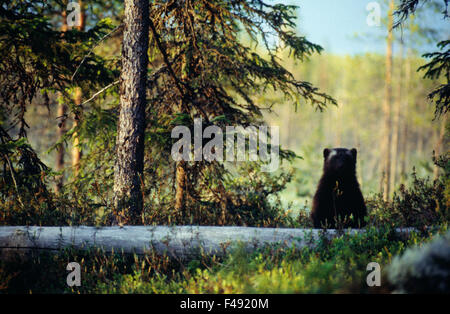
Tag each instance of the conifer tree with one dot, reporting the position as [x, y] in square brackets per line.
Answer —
[209, 69]
[128, 170]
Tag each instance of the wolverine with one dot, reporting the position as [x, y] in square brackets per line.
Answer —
[338, 196]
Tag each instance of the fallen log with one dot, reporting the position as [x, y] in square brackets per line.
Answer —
[179, 241]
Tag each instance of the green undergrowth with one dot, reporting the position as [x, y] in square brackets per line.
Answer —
[331, 266]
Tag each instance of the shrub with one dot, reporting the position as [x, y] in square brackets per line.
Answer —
[421, 205]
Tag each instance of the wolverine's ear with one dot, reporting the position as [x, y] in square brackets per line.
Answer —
[353, 151]
[326, 152]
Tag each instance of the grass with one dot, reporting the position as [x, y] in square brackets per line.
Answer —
[336, 266]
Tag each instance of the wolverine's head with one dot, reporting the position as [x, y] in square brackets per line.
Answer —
[339, 161]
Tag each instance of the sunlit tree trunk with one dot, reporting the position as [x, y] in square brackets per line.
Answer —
[338, 121]
[128, 170]
[405, 111]
[181, 187]
[339, 113]
[396, 119]
[387, 107]
[324, 84]
[60, 151]
[76, 149]
[439, 144]
[62, 108]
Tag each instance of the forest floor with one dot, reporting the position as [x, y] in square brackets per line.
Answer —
[332, 266]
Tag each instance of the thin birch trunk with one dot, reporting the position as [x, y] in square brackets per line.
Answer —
[387, 107]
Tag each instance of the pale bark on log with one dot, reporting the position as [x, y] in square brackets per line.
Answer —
[176, 241]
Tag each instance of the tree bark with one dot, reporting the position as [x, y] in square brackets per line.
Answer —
[396, 119]
[62, 109]
[128, 170]
[405, 110]
[386, 177]
[76, 149]
[60, 151]
[181, 187]
[439, 144]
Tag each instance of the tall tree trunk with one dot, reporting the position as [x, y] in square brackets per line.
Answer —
[439, 144]
[324, 84]
[338, 110]
[337, 117]
[387, 107]
[128, 170]
[396, 119]
[405, 111]
[62, 109]
[181, 187]
[60, 151]
[76, 150]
